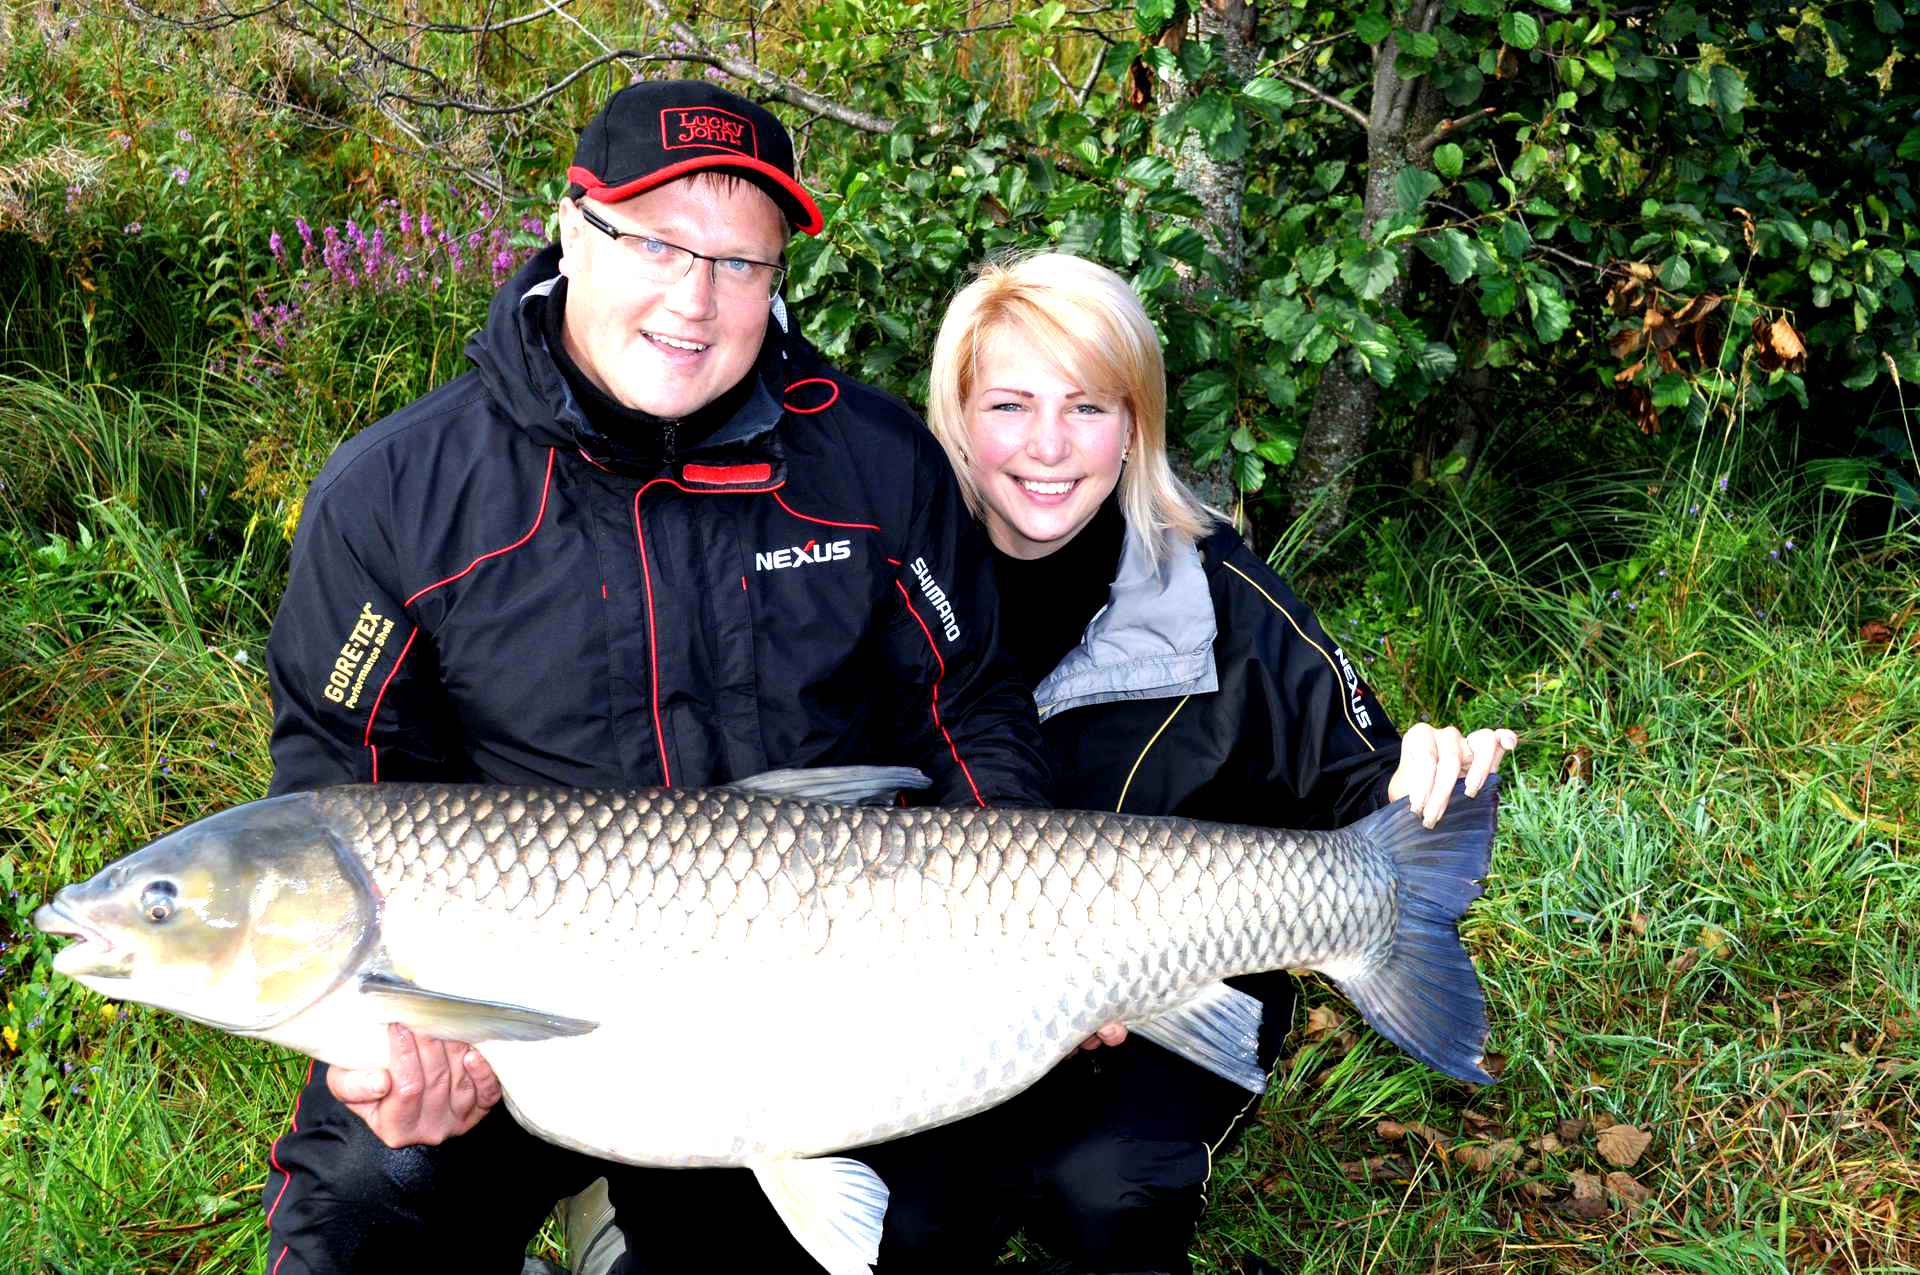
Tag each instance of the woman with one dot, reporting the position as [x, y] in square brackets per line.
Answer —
[1175, 674]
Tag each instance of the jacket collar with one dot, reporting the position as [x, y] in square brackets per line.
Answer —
[1153, 639]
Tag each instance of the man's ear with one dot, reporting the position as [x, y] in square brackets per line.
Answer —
[571, 227]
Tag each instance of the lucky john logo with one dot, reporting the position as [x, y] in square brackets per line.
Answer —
[707, 126]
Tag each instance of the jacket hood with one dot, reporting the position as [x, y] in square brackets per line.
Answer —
[510, 354]
[1153, 639]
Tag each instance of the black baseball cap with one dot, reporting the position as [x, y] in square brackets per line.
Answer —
[653, 132]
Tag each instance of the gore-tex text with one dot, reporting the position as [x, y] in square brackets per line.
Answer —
[938, 598]
[361, 651]
[801, 555]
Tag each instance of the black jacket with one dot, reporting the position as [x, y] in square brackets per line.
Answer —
[483, 590]
[1257, 717]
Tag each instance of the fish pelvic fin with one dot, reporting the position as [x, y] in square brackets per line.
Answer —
[848, 785]
[1425, 996]
[461, 1018]
[834, 1206]
[1219, 1029]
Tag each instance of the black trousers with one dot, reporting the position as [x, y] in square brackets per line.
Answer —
[1103, 1162]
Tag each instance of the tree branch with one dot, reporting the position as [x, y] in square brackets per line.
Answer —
[1348, 109]
[1445, 129]
[766, 81]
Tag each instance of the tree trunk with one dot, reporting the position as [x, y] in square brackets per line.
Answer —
[1340, 422]
[1219, 185]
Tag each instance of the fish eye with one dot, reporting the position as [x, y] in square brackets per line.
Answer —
[156, 901]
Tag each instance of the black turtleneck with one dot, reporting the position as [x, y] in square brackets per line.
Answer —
[641, 437]
[1045, 603]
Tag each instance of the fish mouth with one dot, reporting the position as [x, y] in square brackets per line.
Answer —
[92, 952]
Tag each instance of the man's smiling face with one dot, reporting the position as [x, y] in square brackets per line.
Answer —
[667, 349]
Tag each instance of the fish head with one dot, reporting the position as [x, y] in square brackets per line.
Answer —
[241, 920]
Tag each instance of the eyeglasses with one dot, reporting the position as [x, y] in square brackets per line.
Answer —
[662, 262]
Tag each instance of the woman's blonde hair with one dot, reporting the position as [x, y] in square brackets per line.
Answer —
[1086, 321]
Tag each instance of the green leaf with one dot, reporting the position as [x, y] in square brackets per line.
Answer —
[1909, 147]
[1676, 273]
[1729, 90]
[1448, 159]
[1672, 390]
[1150, 171]
[1318, 345]
[1412, 185]
[1327, 176]
[1551, 314]
[1153, 15]
[1436, 359]
[1451, 251]
[1497, 296]
[1556, 6]
[1521, 30]
[1418, 44]
[1271, 91]
[1820, 270]
[1600, 64]
[1694, 86]
[1316, 265]
[1481, 8]
[1276, 451]
[1371, 273]
[1515, 242]
[1372, 26]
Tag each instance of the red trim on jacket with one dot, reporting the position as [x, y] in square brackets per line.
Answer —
[366, 738]
[646, 576]
[727, 475]
[273, 1158]
[811, 380]
[825, 522]
[935, 648]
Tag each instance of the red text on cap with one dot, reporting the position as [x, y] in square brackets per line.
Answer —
[683, 126]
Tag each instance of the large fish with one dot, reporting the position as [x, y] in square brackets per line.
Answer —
[767, 973]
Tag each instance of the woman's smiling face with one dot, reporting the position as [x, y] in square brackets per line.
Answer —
[1045, 451]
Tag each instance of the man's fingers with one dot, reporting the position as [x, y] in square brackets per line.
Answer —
[402, 1109]
[1508, 741]
[462, 1097]
[358, 1087]
[486, 1085]
[1112, 1033]
[1447, 746]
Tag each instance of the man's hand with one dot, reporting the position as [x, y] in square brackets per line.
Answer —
[1432, 761]
[1111, 1034]
[430, 1091]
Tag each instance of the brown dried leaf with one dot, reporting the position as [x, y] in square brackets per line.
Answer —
[1140, 85]
[1640, 406]
[1623, 1145]
[1874, 633]
[1577, 766]
[1394, 1130]
[1485, 1157]
[1549, 1143]
[1589, 1198]
[1637, 736]
[1659, 330]
[1603, 1122]
[1479, 1120]
[1571, 1131]
[1628, 372]
[1625, 342]
[1638, 922]
[1685, 961]
[1375, 1167]
[1322, 1019]
[1712, 942]
[1779, 345]
[1698, 308]
[1627, 1189]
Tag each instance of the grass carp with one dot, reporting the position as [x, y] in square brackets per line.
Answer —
[773, 971]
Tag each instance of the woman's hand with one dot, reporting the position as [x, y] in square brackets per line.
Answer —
[1111, 1034]
[1432, 761]
[430, 1091]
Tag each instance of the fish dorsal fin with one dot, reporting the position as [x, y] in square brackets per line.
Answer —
[452, 1017]
[848, 785]
[834, 1206]
[1219, 1029]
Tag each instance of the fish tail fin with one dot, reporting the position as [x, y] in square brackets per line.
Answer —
[1425, 996]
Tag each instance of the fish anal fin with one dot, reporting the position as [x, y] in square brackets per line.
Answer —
[451, 1017]
[848, 785]
[1219, 1029]
[833, 1205]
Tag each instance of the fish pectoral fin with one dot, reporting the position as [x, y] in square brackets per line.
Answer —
[1219, 1029]
[848, 785]
[462, 1018]
[834, 1207]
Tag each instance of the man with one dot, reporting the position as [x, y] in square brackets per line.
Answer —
[650, 539]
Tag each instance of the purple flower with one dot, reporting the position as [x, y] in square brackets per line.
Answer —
[131, 228]
[1789, 546]
[1723, 482]
[1774, 554]
[179, 175]
[278, 248]
[1693, 509]
[184, 135]
[1663, 573]
[306, 231]
[406, 224]
[1633, 606]
[1613, 595]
